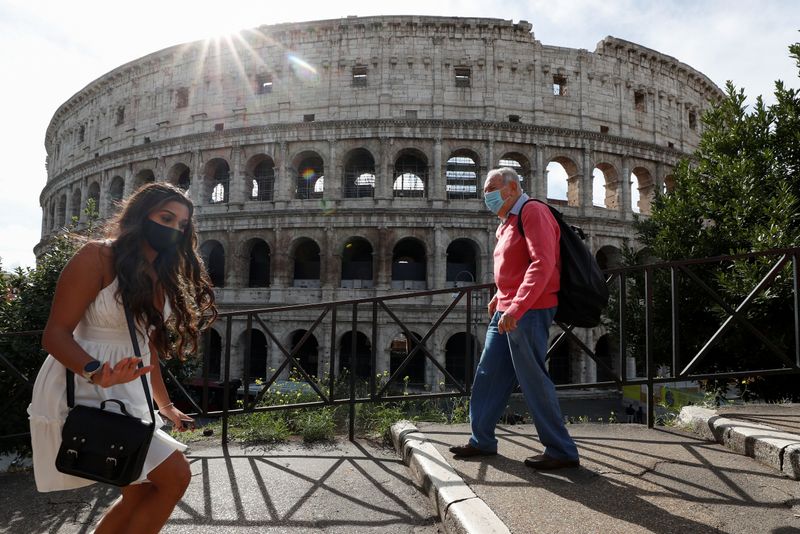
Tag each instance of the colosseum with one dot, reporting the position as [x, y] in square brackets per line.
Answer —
[345, 158]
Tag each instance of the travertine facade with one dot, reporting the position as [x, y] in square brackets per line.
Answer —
[402, 116]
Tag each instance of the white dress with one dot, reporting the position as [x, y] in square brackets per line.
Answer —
[103, 333]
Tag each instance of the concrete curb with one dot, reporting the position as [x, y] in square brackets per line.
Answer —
[460, 510]
[779, 450]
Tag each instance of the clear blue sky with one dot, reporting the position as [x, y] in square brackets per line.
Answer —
[52, 49]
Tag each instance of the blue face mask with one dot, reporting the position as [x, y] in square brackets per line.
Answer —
[493, 201]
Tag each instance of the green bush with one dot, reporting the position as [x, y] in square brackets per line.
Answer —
[259, 427]
[316, 425]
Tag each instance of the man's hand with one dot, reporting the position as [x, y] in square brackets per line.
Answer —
[124, 371]
[492, 306]
[507, 323]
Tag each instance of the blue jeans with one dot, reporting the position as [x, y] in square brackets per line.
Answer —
[518, 356]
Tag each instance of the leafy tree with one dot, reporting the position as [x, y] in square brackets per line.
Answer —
[740, 192]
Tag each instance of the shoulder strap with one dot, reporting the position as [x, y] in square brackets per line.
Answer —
[136, 351]
[519, 217]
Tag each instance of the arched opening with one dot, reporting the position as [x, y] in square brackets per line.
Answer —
[180, 176]
[357, 264]
[559, 365]
[94, 197]
[263, 180]
[258, 354]
[52, 220]
[642, 190]
[214, 354]
[306, 264]
[258, 272]
[409, 265]
[363, 354]
[144, 176]
[62, 211]
[410, 175]
[213, 255]
[217, 179]
[461, 173]
[521, 166]
[359, 174]
[609, 257]
[669, 184]
[310, 177]
[307, 355]
[115, 192]
[462, 263]
[562, 182]
[605, 186]
[75, 206]
[457, 355]
[401, 347]
[603, 352]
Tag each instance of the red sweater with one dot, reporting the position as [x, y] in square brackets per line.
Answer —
[526, 269]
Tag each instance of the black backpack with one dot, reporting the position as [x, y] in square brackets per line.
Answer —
[583, 295]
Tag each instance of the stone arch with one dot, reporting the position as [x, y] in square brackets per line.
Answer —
[603, 349]
[75, 205]
[94, 195]
[259, 354]
[115, 192]
[559, 365]
[609, 257]
[305, 259]
[605, 186]
[258, 256]
[214, 353]
[399, 348]
[522, 166]
[363, 365]
[309, 175]
[462, 257]
[180, 176]
[456, 357]
[216, 181]
[144, 176]
[307, 354]
[563, 181]
[62, 211]
[642, 190]
[669, 184]
[52, 222]
[409, 264]
[260, 178]
[410, 175]
[461, 174]
[359, 174]
[357, 263]
[213, 254]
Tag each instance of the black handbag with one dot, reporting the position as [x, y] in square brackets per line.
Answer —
[102, 445]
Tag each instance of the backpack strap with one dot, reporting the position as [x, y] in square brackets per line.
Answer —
[519, 217]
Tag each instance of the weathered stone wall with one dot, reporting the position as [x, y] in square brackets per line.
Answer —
[393, 88]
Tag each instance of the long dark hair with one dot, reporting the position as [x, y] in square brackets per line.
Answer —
[181, 273]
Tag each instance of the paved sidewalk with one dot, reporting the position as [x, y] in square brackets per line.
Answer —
[631, 480]
[343, 488]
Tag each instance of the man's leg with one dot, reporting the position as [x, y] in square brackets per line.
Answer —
[493, 384]
[528, 344]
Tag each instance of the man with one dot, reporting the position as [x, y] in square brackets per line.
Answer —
[526, 272]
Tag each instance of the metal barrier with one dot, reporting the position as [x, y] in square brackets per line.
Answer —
[785, 266]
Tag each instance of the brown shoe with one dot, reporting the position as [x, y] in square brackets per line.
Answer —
[542, 462]
[465, 451]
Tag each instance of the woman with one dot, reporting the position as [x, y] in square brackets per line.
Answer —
[151, 259]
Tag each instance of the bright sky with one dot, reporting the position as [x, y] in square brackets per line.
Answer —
[53, 48]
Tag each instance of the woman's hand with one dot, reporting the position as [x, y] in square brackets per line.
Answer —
[180, 421]
[123, 372]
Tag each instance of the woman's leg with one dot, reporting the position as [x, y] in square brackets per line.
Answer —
[145, 508]
[116, 518]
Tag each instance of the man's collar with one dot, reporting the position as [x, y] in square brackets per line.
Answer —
[523, 198]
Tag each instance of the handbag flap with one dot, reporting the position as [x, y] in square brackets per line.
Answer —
[93, 430]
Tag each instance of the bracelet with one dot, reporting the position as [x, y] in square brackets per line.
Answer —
[166, 406]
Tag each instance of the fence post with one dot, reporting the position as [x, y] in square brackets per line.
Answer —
[648, 344]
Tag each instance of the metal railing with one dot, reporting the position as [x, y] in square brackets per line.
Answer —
[631, 285]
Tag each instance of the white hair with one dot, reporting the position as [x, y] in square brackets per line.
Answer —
[507, 173]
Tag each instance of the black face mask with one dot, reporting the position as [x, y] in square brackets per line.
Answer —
[162, 238]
